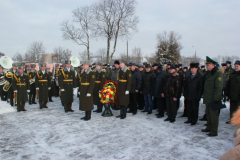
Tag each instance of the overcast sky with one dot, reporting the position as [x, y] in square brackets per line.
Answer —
[212, 26]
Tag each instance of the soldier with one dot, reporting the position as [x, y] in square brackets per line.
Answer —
[93, 66]
[180, 68]
[114, 78]
[67, 85]
[55, 80]
[203, 70]
[32, 77]
[43, 84]
[50, 92]
[229, 66]
[155, 71]
[141, 102]
[124, 86]
[233, 89]
[3, 81]
[100, 78]
[86, 87]
[9, 77]
[212, 94]
[181, 78]
[21, 86]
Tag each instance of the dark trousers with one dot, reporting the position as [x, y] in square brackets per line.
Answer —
[193, 111]
[42, 104]
[10, 95]
[148, 102]
[155, 106]
[32, 93]
[68, 106]
[56, 89]
[171, 107]
[185, 112]
[141, 102]
[161, 104]
[20, 106]
[212, 119]
[133, 99]
[233, 106]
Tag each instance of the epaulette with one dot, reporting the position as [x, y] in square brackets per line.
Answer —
[103, 70]
[92, 70]
[128, 69]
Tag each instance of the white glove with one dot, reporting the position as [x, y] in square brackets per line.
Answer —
[77, 87]
[88, 95]
[37, 88]
[74, 88]
[127, 92]
[62, 89]
[28, 91]
[49, 88]
[99, 91]
[15, 91]
[78, 93]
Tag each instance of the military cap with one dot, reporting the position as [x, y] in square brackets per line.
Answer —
[104, 64]
[185, 67]
[22, 64]
[48, 67]
[202, 66]
[132, 64]
[144, 63]
[43, 65]
[98, 64]
[61, 66]
[33, 65]
[224, 64]
[172, 67]
[140, 66]
[20, 67]
[113, 65]
[147, 66]
[57, 65]
[194, 65]
[108, 65]
[123, 61]
[169, 63]
[180, 64]
[177, 66]
[229, 62]
[116, 62]
[14, 64]
[1, 66]
[165, 63]
[160, 67]
[68, 62]
[137, 65]
[209, 60]
[217, 65]
[237, 62]
[154, 64]
[94, 63]
[90, 65]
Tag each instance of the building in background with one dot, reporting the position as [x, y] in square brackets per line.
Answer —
[49, 58]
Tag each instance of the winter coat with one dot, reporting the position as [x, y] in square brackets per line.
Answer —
[158, 84]
[124, 84]
[193, 88]
[147, 82]
[172, 85]
[136, 81]
[43, 82]
[233, 86]
[213, 86]
[100, 79]
[114, 75]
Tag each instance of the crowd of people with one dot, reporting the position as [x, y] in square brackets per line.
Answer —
[142, 87]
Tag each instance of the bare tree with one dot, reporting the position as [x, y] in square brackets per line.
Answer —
[35, 52]
[79, 30]
[136, 55]
[168, 47]
[62, 54]
[113, 19]
[83, 56]
[18, 57]
[101, 53]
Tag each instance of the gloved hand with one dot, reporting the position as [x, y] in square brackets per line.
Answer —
[74, 88]
[28, 91]
[126, 92]
[79, 93]
[77, 87]
[88, 95]
[49, 88]
[15, 91]
[99, 91]
[37, 88]
[62, 89]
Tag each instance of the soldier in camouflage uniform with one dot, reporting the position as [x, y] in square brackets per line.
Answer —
[229, 66]
[203, 70]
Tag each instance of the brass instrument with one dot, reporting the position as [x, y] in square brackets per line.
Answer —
[9, 74]
[37, 94]
[15, 97]
[7, 86]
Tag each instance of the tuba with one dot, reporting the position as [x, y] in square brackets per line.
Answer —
[6, 62]
[74, 61]
[7, 86]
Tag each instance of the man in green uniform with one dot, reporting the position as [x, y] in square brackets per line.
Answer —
[233, 89]
[212, 94]
[43, 84]
[32, 76]
[50, 92]
[124, 85]
[93, 66]
[55, 80]
[229, 66]
[9, 76]
[67, 85]
[203, 70]
[21, 86]
[86, 85]
[100, 78]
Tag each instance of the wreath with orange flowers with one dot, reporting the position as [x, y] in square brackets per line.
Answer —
[109, 92]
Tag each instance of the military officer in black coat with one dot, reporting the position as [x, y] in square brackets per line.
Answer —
[43, 84]
[9, 76]
[67, 84]
[32, 76]
[50, 92]
[21, 86]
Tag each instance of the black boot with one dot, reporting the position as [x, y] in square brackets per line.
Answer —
[30, 98]
[204, 118]
[41, 105]
[124, 112]
[99, 109]
[121, 112]
[84, 116]
[88, 117]
[50, 99]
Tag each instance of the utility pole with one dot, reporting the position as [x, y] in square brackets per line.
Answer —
[127, 51]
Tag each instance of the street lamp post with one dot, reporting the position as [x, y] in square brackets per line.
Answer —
[195, 52]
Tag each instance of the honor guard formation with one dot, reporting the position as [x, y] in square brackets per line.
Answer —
[142, 87]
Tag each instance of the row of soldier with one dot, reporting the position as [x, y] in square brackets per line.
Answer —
[141, 87]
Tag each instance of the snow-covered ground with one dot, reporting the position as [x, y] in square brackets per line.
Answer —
[52, 134]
